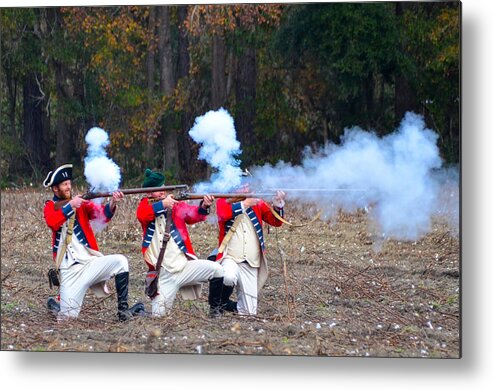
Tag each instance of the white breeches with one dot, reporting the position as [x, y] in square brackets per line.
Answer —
[195, 272]
[245, 277]
[78, 278]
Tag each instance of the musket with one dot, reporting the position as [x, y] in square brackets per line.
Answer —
[127, 191]
[184, 195]
[239, 196]
[236, 195]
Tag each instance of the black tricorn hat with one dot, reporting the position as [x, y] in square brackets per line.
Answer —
[62, 173]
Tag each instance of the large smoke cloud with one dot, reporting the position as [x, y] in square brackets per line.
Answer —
[397, 178]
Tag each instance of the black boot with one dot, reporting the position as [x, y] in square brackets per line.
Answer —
[124, 312]
[226, 303]
[138, 309]
[53, 306]
[215, 292]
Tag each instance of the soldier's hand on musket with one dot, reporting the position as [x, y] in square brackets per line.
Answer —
[77, 201]
[207, 201]
[169, 201]
[116, 197]
[249, 202]
[278, 200]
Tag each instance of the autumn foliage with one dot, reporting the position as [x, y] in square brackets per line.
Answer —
[293, 75]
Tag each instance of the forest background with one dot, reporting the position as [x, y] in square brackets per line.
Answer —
[291, 75]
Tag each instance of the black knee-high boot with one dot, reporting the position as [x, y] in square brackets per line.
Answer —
[226, 303]
[215, 293]
[124, 312]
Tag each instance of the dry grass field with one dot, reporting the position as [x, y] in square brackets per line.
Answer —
[334, 289]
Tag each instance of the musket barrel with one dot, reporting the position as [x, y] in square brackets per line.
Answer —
[154, 189]
[317, 189]
[242, 195]
[129, 191]
[270, 192]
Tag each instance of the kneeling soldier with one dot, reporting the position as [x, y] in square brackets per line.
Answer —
[180, 269]
[241, 249]
[75, 249]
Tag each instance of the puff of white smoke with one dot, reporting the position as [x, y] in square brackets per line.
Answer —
[216, 133]
[392, 176]
[102, 174]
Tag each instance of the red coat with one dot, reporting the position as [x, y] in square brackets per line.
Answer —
[82, 228]
[181, 215]
[227, 212]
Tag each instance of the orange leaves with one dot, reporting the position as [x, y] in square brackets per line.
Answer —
[181, 96]
[445, 38]
[219, 19]
[120, 29]
[116, 39]
[447, 29]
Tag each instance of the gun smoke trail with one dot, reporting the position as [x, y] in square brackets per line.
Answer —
[399, 176]
[102, 174]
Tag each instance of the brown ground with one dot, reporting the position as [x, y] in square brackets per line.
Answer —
[334, 289]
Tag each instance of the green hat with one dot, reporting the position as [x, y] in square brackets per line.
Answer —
[153, 179]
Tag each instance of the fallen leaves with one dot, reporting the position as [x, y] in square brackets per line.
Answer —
[345, 296]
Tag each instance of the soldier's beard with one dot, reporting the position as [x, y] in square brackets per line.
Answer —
[65, 195]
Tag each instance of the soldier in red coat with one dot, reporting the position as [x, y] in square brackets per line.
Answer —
[242, 249]
[75, 250]
[181, 269]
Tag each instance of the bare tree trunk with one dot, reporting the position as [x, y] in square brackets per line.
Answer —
[183, 56]
[370, 101]
[7, 166]
[218, 86]
[184, 142]
[405, 95]
[67, 89]
[325, 130]
[150, 64]
[64, 127]
[167, 82]
[245, 100]
[36, 123]
[151, 50]
[167, 85]
[11, 83]
[405, 98]
[231, 70]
